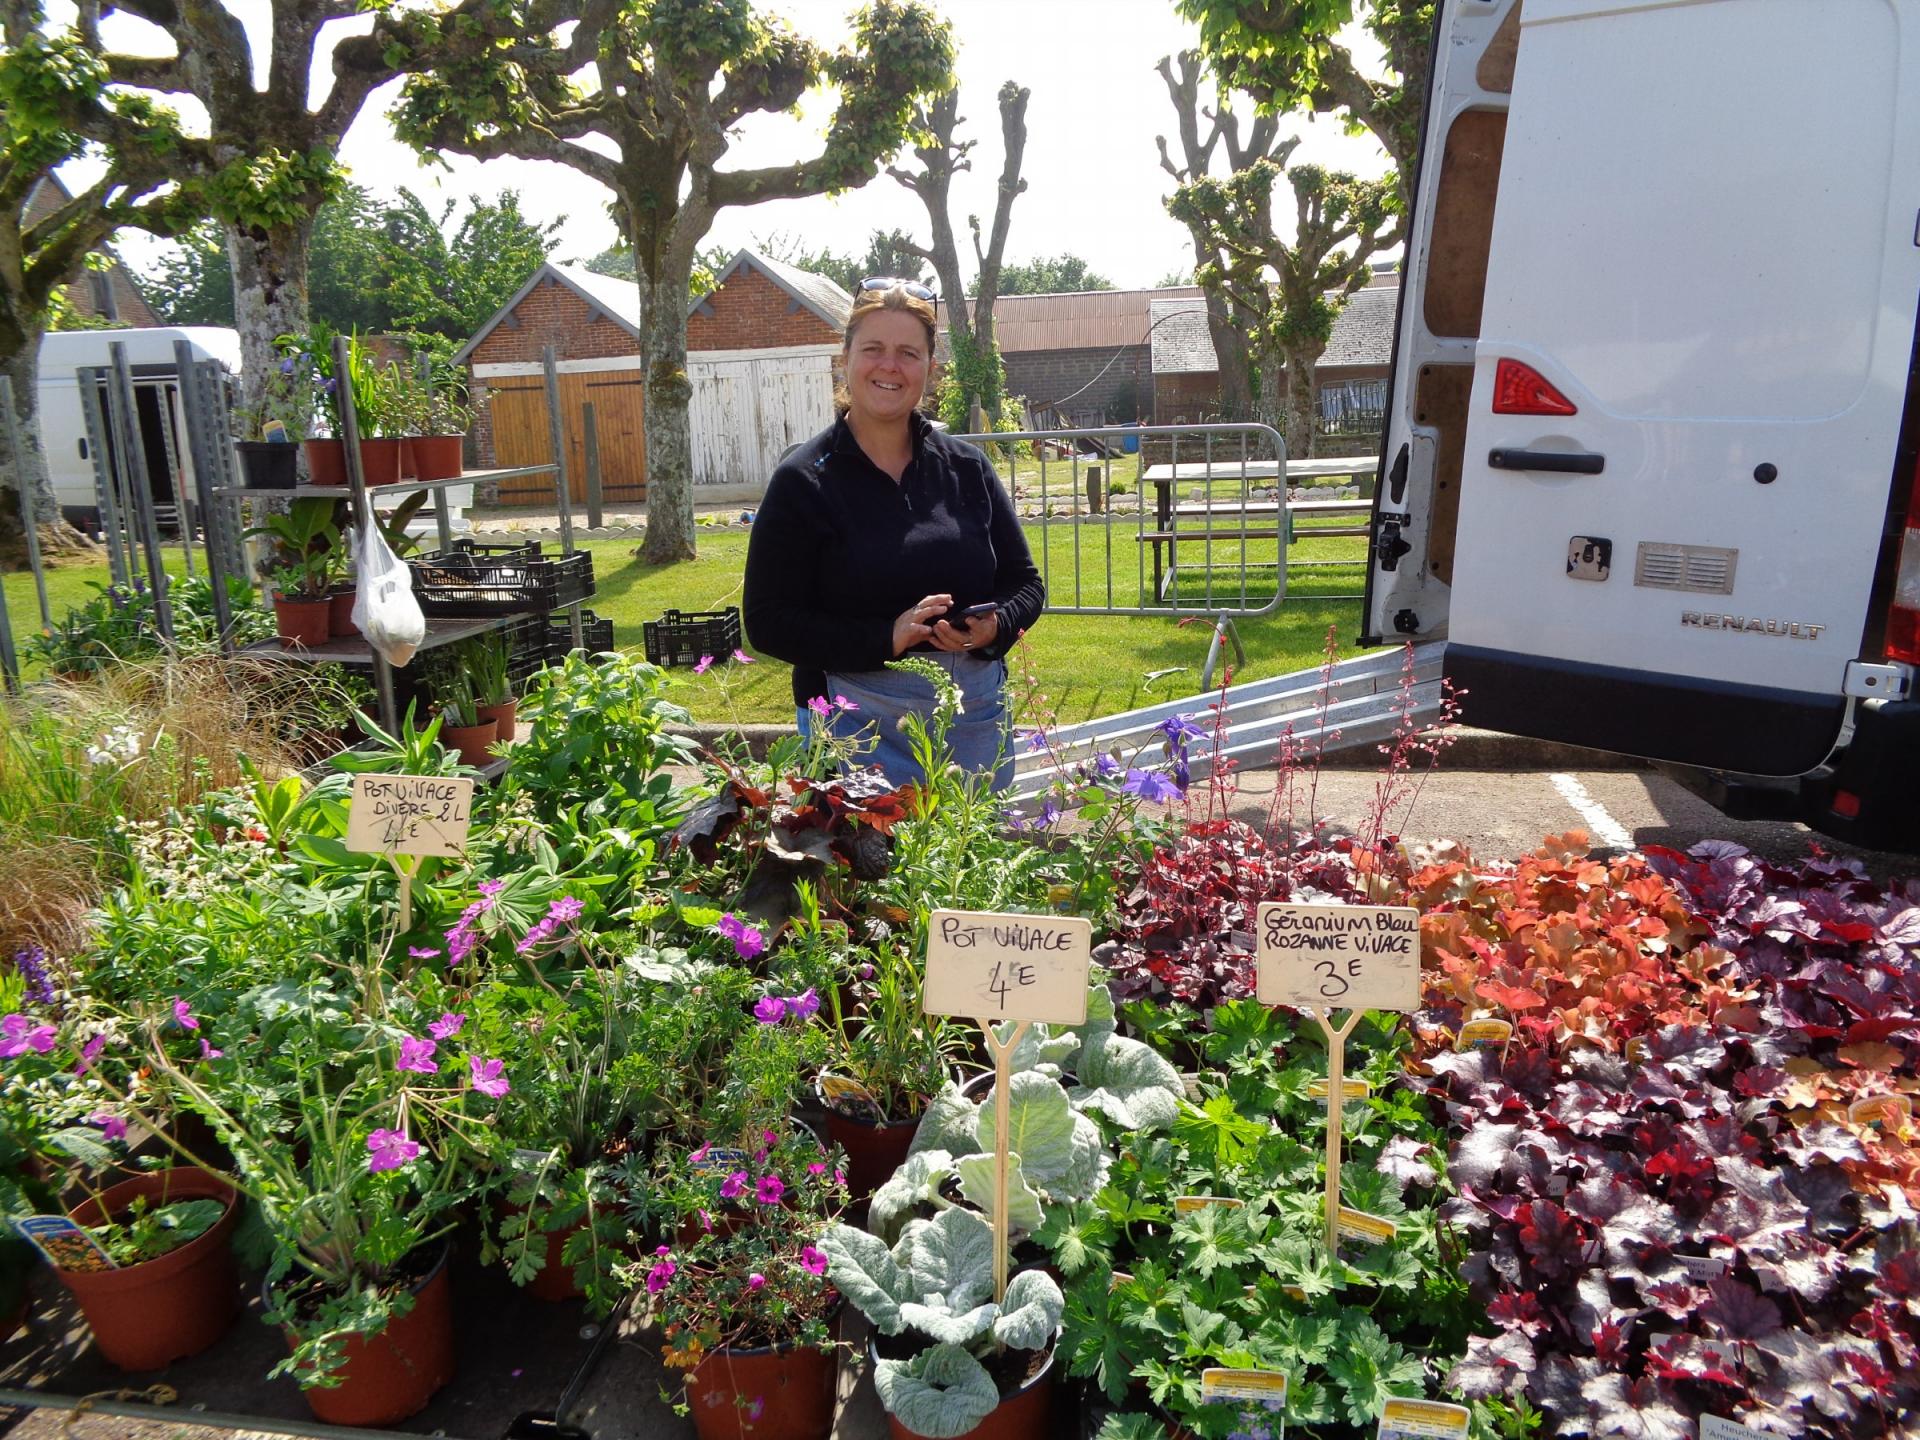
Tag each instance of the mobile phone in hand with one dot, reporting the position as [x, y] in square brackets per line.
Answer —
[962, 619]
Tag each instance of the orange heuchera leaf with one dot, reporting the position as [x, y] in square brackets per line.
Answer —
[1873, 1055]
[1509, 997]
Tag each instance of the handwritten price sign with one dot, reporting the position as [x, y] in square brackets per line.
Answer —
[1340, 957]
[409, 814]
[1008, 967]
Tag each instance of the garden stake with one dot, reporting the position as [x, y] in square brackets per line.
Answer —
[1336, 1095]
[406, 891]
[1002, 1053]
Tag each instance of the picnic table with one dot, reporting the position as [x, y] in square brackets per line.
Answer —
[1237, 518]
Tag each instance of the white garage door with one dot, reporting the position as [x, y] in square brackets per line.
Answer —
[747, 411]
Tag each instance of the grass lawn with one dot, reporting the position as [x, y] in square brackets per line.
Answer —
[1084, 665]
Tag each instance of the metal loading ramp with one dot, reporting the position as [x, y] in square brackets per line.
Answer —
[1357, 702]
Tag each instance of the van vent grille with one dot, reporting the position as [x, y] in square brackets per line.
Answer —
[1707, 569]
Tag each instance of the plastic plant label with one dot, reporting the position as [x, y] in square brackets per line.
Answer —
[1294, 1292]
[1349, 1090]
[1339, 957]
[1422, 1420]
[1008, 967]
[1258, 1386]
[1881, 1110]
[409, 814]
[839, 1092]
[66, 1244]
[1488, 1035]
[1712, 1427]
[715, 1162]
[1370, 1229]
[1188, 1204]
[1701, 1267]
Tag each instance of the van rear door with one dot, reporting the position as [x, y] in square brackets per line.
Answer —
[1686, 391]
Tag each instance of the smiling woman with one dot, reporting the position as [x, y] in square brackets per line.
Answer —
[882, 536]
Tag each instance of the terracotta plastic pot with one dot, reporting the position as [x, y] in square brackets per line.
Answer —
[392, 1375]
[1027, 1414]
[471, 741]
[505, 717]
[792, 1388]
[302, 622]
[340, 614]
[380, 461]
[407, 468]
[554, 1281]
[438, 457]
[148, 1315]
[875, 1149]
[326, 461]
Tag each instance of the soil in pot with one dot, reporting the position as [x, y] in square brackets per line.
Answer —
[326, 461]
[380, 461]
[471, 741]
[391, 1376]
[302, 622]
[175, 1305]
[340, 613]
[438, 457]
[505, 716]
[1025, 1412]
[772, 1394]
[268, 464]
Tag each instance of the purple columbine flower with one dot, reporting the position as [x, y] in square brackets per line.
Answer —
[112, 1127]
[389, 1150]
[417, 1055]
[1105, 765]
[804, 1005]
[1179, 729]
[1152, 786]
[447, 1026]
[184, 1014]
[487, 1076]
[770, 1189]
[18, 1034]
[771, 1010]
[813, 1260]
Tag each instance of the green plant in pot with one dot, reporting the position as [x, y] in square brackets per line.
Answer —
[463, 728]
[486, 662]
[306, 558]
[439, 424]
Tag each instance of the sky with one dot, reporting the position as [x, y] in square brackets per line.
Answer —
[1094, 183]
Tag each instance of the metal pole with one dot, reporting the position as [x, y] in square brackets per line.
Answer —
[139, 479]
[176, 478]
[28, 522]
[9, 660]
[92, 382]
[362, 511]
[125, 521]
[590, 435]
[563, 488]
[200, 450]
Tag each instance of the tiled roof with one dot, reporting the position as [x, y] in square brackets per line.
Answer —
[1075, 320]
[1362, 333]
[818, 293]
[619, 298]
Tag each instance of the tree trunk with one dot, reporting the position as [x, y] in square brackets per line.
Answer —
[1234, 359]
[22, 369]
[663, 353]
[1302, 413]
[269, 296]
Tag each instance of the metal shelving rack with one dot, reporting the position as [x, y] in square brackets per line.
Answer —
[353, 650]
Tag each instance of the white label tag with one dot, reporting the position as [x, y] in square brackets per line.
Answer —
[1008, 967]
[1340, 957]
[1702, 1267]
[1422, 1420]
[1712, 1427]
[1260, 1386]
[409, 814]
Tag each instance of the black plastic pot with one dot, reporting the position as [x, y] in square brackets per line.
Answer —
[267, 465]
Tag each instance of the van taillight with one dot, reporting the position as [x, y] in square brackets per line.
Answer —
[1903, 612]
[1522, 390]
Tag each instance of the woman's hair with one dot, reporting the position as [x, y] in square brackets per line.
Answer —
[868, 302]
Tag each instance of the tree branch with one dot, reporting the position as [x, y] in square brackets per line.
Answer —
[164, 73]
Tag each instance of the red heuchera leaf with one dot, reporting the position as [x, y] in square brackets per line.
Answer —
[1738, 1311]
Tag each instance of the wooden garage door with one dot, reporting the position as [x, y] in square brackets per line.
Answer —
[521, 436]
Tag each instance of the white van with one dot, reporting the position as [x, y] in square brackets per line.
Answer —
[150, 356]
[1650, 450]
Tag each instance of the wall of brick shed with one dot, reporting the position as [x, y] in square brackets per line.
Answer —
[1041, 377]
[750, 312]
[553, 314]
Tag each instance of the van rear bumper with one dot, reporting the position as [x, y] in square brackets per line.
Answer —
[1751, 728]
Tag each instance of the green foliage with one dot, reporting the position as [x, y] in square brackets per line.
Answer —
[1050, 275]
[118, 625]
[307, 548]
[146, 1231]
[967, 376]
[273, 188]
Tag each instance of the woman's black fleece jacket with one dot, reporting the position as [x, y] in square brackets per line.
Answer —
[838, 551]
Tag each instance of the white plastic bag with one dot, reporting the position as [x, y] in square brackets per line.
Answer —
[383, 605]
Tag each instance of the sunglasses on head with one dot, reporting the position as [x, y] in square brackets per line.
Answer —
[887, 282]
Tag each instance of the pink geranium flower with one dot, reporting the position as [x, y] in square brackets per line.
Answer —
[660, 1275]
[112, 1127]
[487, 1078]
[771, 1010]
[770, 1189]
[184, 1014]
[89, 1053]
[417, 1055]
[706, 664]
[747, 941]
[389, 1150]
[756, 1282]
[447, 1026]
[734, 1186]
[813, 1261]
[18, 1034]
[207, 1052]
[742, 657]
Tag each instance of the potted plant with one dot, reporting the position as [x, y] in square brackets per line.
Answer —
[462, 728]
[306, 550]
[486, 657]
[276, 426]
[439, 427]
[378, 399]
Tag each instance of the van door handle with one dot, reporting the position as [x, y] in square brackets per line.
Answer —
[1563, 462]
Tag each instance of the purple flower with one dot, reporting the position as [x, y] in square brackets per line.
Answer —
[1104, 764]
[867, 972]
[813, 1261]
[112, 1127]
[659, 1276]
[417, 1055]
[423, 952]
[818, 1167]
[389, 1150]
[31, 962]
[840, 702]
[742, 657]
[756, 1282]
[566, 909]
[1035, 740]
[184, 1015]
[490, 888]
[701, 1153]
[207, 1052]
[18, 1035]
[771, 1010]
[747, 941]
[89, 1053]
[287, 366]
[487, 1078]
[756, 1407]
[803, 1005]
[734, 1186]
[770, 1189]
[1152, 786]
[819, 706]
[1179, 729]
[705, 664]
[447, 1026]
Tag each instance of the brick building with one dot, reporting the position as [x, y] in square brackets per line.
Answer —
[761, 352]
[108, 294]
[1081, 357]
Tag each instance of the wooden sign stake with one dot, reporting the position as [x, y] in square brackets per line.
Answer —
[406, 891]
[1336, 1097]
[1002, 1054]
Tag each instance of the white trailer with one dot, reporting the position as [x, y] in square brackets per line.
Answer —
[1649, 466]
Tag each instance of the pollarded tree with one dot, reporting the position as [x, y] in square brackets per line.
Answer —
[672, 80]
[56, 106]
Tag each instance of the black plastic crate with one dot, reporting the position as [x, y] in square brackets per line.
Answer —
[681, 637]
[596, 636]
[526, 641]
[472, 580]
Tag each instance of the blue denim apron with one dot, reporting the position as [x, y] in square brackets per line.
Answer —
[980, 736]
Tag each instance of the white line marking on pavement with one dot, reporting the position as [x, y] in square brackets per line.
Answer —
[1602, 827]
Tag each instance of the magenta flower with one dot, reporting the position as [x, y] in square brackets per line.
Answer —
[112, 1127]
[491, 888]
[756, 1407]
[803, 1005]
[706, 664]
[423, 952]
[417, 1055]
[487, 1078]
[813, 1261]
[819, 706]
[207, 1052]
[565, 909]
[184, 1015]
[18, 1035]
[840, 702]
[818, 1167]
[771, 1188]
[697, 1156]
[659, 1276]
[769, 1137]
[734, 1186]
[663, 1249]
[747, 941]
[742, 657]
[89, 1053]
[756, 1282]
[447, 1026]
[389, 1150]
[771, 1010]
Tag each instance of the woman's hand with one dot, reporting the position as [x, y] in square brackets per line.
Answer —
[912, 627]
[984, 630]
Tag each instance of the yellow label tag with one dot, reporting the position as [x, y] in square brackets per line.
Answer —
[1422, 1420]
[1881, 1110]
[1294, 1292]
[1187, 1204]
[1260, 1386]
[840, 1090]
[1358, 1225]
[1484, 1035]
[1349, 1090]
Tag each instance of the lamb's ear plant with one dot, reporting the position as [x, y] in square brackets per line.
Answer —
[935, 1285]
